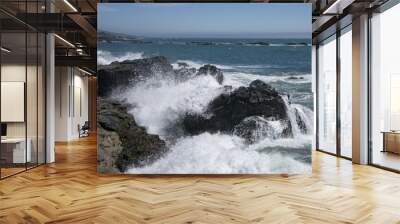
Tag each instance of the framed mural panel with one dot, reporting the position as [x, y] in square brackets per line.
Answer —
[204, 88]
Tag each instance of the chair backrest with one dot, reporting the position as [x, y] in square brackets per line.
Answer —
[86, 125]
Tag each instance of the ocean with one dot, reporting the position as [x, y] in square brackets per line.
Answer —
[240, 59]
[285, 64]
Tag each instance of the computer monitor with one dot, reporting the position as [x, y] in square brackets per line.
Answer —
[3, 129]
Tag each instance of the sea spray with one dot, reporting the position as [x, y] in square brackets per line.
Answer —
[161, 103]
[198, 64]
[106, 58]
[224, 154]
[292, 117]
[304, 116]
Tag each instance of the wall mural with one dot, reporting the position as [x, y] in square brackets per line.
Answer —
[204, 88]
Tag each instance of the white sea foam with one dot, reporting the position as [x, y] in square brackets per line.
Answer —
[263, 128]
[254, 66]
[292, 118]
[298, 142]
[224, 154]
[198, 64]
[306, 116]
[106, 58]
[159, 103]
[237, 79]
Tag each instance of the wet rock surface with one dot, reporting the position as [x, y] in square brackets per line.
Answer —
[127, 143]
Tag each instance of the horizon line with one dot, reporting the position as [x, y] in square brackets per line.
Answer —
[278, 35]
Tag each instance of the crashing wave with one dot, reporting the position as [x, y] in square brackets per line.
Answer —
[256, 128]
[225, 154]
[237, 79]
[159, 105]
[198, 64]
[106, 58]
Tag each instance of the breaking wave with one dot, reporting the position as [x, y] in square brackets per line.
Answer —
[198, 64]
[225, 154]
[160, 104]
[237, 79]
[106, 58]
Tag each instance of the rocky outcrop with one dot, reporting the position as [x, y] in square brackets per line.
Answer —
[256, 128]
[119, 75]
[228, 110]
[300, 123]
[213, 71]
[122, 142]
[183, 64]
[109, 147]
[259, 43]
[184, 73]
[303, 119]
[122, 74]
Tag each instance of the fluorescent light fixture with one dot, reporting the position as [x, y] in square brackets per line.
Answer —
[70, 5]
[5, 50]
[79, 51]
[64, 40]
[84, 71]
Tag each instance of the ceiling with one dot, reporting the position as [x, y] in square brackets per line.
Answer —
[75, 21]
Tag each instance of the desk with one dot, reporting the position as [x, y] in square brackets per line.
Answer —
[391, 141]
[13, 150]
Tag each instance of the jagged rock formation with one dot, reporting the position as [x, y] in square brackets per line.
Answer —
[122, 141]
[228, 110]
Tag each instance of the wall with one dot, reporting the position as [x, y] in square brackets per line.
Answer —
[33, 126]
[71, 102]
[17, 73]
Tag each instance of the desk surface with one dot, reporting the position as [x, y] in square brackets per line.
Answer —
[391, 132]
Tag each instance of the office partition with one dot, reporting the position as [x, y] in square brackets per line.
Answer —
[22, 77]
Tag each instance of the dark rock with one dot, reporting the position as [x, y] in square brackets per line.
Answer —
[129, 144]
[109, 148]
[256, 128]
[297, 44]
[122, 74]
[258, 43]
[230, 109]
[119, 75]
[184, 73]
[213, 71]
[295, 77]
[301, 123]
[228, 89]
[204, 43]
[183, 64]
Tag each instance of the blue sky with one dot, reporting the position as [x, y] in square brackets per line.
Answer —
[224, 20]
